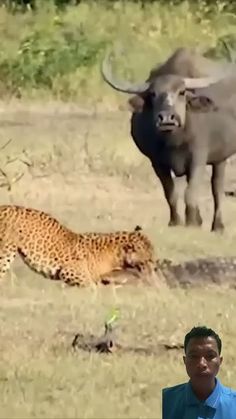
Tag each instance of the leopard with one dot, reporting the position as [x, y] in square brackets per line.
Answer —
[55, 251]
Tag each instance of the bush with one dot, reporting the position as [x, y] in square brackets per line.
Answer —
[22, 4]
[56, 52]
[41, 58]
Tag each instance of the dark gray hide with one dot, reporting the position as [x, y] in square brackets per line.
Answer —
[182, 124]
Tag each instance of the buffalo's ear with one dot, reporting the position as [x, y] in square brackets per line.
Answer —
[201, 103]
[136, 102]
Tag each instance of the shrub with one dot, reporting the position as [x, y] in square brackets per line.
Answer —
[41, 58]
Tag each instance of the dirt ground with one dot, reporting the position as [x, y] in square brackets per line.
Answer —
[82, 167]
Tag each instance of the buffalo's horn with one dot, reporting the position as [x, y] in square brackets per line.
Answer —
[198, 83]
[122, 86]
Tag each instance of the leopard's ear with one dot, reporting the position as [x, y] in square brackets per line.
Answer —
[138, 228]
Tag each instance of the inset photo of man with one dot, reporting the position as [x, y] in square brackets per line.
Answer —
[203, 396]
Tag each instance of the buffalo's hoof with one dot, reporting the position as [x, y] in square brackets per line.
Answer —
[193, 217]
[174, 222]
[217, 227]
[198, 217]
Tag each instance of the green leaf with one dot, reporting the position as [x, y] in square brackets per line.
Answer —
[113, 316]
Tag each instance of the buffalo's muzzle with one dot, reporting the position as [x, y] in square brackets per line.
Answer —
[167, 121]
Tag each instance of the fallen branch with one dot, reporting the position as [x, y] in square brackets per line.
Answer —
[9, 182]
[103, 344]
[28, 162]
[107, 343]
[6, 144]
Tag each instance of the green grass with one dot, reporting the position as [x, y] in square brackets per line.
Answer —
[58, 53]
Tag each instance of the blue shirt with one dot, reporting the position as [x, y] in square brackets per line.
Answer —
[179, 402]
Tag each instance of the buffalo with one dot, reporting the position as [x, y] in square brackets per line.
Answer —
[184, 118]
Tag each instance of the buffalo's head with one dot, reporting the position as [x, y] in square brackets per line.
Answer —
[167, 96]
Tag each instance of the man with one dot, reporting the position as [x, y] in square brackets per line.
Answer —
[203, 397]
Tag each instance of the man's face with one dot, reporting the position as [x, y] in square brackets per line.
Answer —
[202, 359]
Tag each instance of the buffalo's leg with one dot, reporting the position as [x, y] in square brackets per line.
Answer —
[217, 187]
[192, 212]
[169, 188]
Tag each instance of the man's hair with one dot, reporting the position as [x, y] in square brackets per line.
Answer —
[202, 332]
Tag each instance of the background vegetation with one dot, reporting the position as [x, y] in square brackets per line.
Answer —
[52, 51]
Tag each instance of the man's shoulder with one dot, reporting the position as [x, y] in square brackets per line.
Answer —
[228, 392]
[179, 389]
[227, 401]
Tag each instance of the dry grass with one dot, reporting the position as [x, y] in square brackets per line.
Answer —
[86, 171]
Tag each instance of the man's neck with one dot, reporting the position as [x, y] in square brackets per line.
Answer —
[202, 392]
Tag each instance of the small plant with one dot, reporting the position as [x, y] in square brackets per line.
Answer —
[113, 316]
